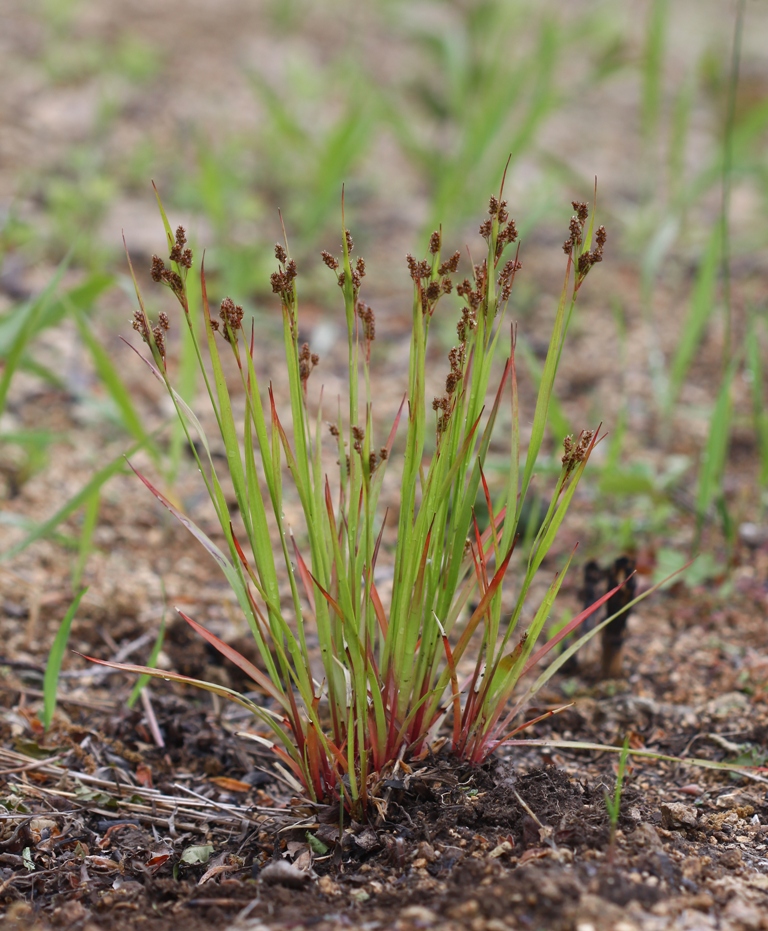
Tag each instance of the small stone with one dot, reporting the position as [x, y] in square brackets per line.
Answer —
[427, 851]
[646, 835]
[496, 924]
[676, 817]
[743, 914]
[728, 704]
[327, 886]
[282, 873]
[753, 535]
[466, 909]
[419, 915]
[732, 800]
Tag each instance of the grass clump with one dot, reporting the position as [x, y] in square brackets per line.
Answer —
[387, 673]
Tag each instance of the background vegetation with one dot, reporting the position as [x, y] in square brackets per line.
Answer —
[237, 108]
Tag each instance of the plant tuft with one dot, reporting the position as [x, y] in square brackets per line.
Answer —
[353, 683]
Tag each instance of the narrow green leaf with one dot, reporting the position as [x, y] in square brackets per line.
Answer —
[90, 519]
[713, 458]
[82, 497]
[55, 657]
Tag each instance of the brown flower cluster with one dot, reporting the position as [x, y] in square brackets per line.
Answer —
[430, 289]
[368, 321]
[575, 452]
[358, 435]
[587, 259]
[179, 254]
[576, 226]
[497, 210]
[157, 333]
[374, 459]
[475, 296]
[307, 361]
[466, 324]
[457, 358]
[282, 280]
[507, 277]
[231, 315]
[358, 269]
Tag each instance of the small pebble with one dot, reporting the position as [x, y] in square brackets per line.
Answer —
[282, 873]
[676, 816]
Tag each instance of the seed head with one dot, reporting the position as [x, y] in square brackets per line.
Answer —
[368, 320]
[178, 254]
[231, 315]
[159, 337]
[576, 452]
[158, 269]
[307, 361]
[450, 265]
[330, 261]
[582, 210]
[139, 323]
[282, 281]
[418, 270]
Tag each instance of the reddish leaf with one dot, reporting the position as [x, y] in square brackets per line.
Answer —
[572, 625]
[144, 775]
[231, 785]
[483, 605]
[259, 677]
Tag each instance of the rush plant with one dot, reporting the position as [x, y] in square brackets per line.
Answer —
[443, 648]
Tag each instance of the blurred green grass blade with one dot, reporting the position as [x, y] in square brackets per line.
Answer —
[158, 645]
[700, 310]
[486, 134]
[90, 519]
[33, 367]
[558, 422]
[39, 440]
[284, 124]
[55, 657]
[653, 67]
[26, 325]
[714, 455]
[107, 371]
[85, 494]
[54, 309]
[754, 367]
[342, 151]
[682, 110]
